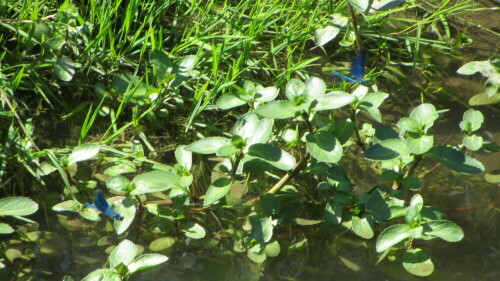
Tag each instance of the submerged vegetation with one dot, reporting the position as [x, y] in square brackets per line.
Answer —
[215, 136]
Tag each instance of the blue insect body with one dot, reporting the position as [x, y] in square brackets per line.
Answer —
[357, 69]
[102, 205]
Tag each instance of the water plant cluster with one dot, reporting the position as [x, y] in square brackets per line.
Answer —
[217, 127]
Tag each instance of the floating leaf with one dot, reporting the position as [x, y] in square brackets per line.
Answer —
[17, 206]
[146, 261]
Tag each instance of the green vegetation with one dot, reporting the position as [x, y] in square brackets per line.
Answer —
[219, 131]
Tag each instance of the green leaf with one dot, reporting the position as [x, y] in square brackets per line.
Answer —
[186, 63]
[373, 99]
[484, 99]
[272, 249]
[473, 142]
[262, 231]
[387, 149]
[391, 236]
[119, 184]
[127, 209]
[383, 205]
[146, 261]
[278, 110]
[412, 183]
[122, 168]
[5, 228]
[227, 150]
[333, 100]
[64, 68]
[184, 157]
[266, 94]
[124, 253]
[472, 121]
[410, 125]
[363, 227]
[324, 147]
[67, 206]
[315, 88]
[162, 244]
[493, 176]
[412, 215]
[103, 275]
[420, 145]
[262, 132]
[425, 114]
[325, 35]
[56, 42]
[17, 206]
[154, 182]
[83, 152]
[343, 130]
[385, 133]
[162, 63]
[418, 262]
[218, 189]
[256, 257]
[208, 145]
[295, 89]
[246, 125]
[193, 230]
[230, 100]
[274, 156]
[333, 212]
[485, 67]
[444, 229]
[455, 160]
[270, 204]
[337, 173]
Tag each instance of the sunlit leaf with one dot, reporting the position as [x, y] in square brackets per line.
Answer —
[387, 149]
[363, 227]
[208, 145]
[154, 182]
[5, 228]
[262, 231]
[83, 152]
[64, 68]
[146, 261]
[420, 145]
[124, 253]
[276, 157]
[418, 262]
[218, 189]
[272, 249]
[445, 230]
[278, 110]
[17, 206]
[324, 147]
[193, 230]
[392, 235]
[103, 275]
